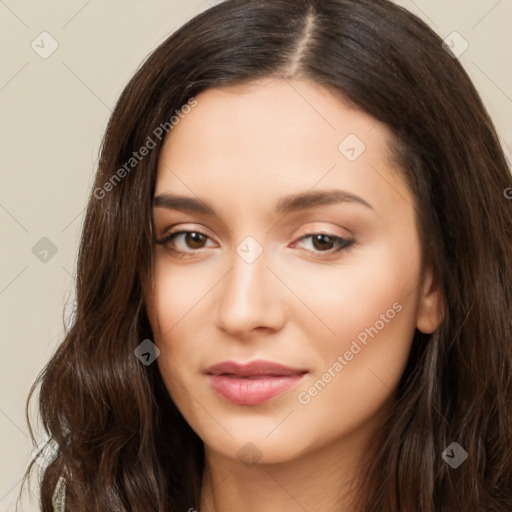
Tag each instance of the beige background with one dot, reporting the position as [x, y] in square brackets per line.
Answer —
[52, 115]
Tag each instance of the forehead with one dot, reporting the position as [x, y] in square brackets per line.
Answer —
[276, 135]
[298, 117]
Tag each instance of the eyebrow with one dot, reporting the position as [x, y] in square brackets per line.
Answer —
[285, 205]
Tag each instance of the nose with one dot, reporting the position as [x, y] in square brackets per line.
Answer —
[250, 299]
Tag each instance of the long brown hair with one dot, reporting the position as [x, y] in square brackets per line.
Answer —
[122, 444]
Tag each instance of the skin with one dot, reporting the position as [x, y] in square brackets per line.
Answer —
[240, 150]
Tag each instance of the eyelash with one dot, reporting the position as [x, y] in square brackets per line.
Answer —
[343, 243]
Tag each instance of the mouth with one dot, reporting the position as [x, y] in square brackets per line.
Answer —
[253, 383]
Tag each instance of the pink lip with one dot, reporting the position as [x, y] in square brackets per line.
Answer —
[253, 383]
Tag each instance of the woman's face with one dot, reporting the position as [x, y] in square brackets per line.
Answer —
[302, 257]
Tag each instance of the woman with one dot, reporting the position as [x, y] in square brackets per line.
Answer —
[294, 282]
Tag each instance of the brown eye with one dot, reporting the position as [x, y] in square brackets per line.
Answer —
[185, 241]
[325, 245]
[323, 242]
[195, 240]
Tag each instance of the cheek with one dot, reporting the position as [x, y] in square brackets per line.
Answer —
[362, 291]
[180, 291]
[176, 291]
[371, 307]
[356, 379]
[177, 295]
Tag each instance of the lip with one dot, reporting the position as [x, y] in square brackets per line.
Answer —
[253, 383]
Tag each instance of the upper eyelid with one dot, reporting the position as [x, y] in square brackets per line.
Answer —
[310, 231]
[170, 232]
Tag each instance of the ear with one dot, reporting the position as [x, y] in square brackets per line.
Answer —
[430, 304]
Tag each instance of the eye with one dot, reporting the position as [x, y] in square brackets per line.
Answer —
[184, 241]
[324, 243]
[320, 244]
